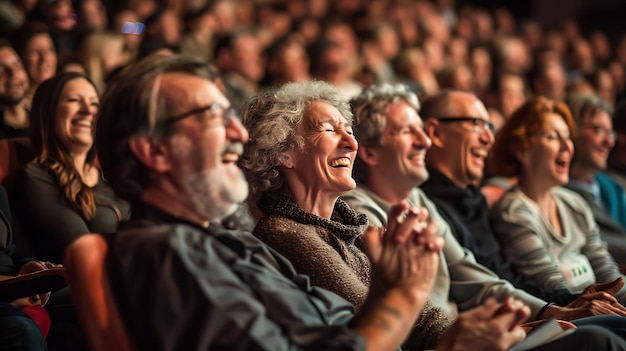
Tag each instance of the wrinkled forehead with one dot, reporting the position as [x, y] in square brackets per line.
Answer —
[319, 111]
[182, 92]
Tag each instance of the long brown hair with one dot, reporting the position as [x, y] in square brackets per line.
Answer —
[49, 149]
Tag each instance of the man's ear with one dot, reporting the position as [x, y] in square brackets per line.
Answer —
[368, 155]
[151, 154]
[431, 128]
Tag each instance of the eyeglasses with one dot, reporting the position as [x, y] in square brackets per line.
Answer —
[601, 131]
[480, 125]
[218, 116]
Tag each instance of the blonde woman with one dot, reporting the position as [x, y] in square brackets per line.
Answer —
[102, 52]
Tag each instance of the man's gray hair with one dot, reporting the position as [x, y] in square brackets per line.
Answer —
[272, 119]
[370, 108]
[584, 106]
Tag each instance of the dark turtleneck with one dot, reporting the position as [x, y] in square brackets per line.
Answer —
[466, 211]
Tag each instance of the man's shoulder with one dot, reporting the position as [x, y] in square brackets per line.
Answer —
[609, 183]
[147, 238]
[363, 200]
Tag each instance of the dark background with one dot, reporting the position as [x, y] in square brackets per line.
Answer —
[608, 16]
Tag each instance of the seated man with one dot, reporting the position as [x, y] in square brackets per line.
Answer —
[390, 166]
[169, 143]
[593, 140]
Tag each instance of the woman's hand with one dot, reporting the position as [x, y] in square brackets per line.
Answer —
[36, 300]
[407, 255]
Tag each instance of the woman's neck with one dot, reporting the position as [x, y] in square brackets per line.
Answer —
[315, 202]
[86, 171]
[537, 192]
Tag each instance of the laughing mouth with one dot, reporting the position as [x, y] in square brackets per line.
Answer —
[340, 163]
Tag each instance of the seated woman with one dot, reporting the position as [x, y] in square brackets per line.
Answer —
[299, 161]
[62, 193]
[547, 232]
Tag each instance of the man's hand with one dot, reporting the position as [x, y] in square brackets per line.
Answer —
[492, 326]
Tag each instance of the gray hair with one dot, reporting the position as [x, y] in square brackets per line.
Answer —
[133, 107]
[272, 119]
[370, 108]
[584, 106]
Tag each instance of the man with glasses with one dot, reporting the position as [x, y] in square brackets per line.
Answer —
[393, 144]
[593, 141]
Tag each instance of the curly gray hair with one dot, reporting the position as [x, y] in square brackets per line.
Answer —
[272, 119]
[369, 109]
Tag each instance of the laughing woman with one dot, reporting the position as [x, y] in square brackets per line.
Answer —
[63, 194]
[548, 233]
[298, 162]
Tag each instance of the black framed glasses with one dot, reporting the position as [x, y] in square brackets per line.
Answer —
[217, 115]
[480, 125]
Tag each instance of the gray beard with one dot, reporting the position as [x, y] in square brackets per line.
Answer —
[212, 197]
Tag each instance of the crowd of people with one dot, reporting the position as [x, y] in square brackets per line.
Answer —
[310, 174]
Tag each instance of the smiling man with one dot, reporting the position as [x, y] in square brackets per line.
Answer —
[13, 88]
[593, 142]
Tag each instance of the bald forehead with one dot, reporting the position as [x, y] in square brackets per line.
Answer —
[465, 104]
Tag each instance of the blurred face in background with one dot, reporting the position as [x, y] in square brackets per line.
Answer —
[40, 58]
[512, 94]
[61, 15]
[594, 141]
[13, 78]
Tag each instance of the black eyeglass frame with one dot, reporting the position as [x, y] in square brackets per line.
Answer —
[475, 120]
[227, 114]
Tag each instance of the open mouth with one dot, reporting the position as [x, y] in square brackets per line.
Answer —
[340, 163]
[83, 123]
[479, 153]
[562, 165]
[230, 157]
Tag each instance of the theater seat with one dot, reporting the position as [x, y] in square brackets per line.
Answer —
[14, 154]
[85, 269]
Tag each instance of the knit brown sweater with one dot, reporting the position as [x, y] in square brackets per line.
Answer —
[327, 251]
